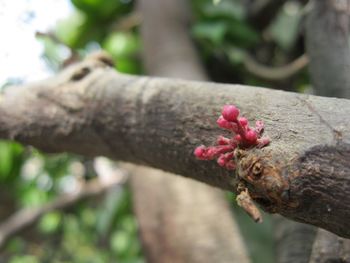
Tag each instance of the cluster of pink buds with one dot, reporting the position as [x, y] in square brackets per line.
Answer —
[244, 137]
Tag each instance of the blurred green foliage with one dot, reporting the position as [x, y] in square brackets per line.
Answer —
[105, 230]
[224, 35]
[11, 158]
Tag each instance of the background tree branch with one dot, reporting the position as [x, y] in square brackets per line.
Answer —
[327, 43]
[27, 217]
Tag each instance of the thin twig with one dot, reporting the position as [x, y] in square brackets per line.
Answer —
[26, 217]
[275, 73]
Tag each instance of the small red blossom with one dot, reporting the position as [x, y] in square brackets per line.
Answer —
[230, 113]
[243, 121]
[243, 137]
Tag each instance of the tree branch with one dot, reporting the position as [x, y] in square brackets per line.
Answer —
[275, 73]
[90, 109]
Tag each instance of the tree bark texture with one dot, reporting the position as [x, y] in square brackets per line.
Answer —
[178, 217]
[90, 109]
[328, 46]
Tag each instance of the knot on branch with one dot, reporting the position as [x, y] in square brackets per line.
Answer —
[94, 60]
[264, 178]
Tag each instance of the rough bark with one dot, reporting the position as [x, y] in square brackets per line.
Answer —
[328, 47]
[90, 109]
[178, 217]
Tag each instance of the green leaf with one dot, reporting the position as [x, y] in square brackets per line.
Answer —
[211, 31]
[236, 55]
[10, 160]
[241, 34]
[108, 211]
[24, 259]
[33, 197]
[124, 47]
[68, 30]
[284, 30]
[103, 10]
[120, 242]
[50, 222]
[122, 44]
[228, 9]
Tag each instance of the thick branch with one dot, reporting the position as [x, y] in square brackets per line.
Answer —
[90, 109]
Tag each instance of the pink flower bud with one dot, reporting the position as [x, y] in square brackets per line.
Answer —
[251, 136]
[230, 112]
[222, 140]
[222, 123]
[237, 138]
[221, 161]
[243, 121]
[211, 152]
[199, 151]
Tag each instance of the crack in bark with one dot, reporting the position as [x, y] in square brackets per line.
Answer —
[337, 135]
